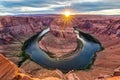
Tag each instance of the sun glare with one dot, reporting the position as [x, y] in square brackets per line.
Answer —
[67, 13]
[67, 19]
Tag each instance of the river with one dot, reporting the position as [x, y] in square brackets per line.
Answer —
[84, 57]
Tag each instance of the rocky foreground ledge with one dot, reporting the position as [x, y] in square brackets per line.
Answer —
[9, 71]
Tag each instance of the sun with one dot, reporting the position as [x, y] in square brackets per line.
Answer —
[67, 13]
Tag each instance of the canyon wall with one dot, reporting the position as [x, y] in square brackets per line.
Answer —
[11, 26]
[15, 27]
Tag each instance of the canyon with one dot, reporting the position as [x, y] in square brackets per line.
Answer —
[15, 30]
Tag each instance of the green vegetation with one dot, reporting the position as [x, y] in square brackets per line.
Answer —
[24, 56]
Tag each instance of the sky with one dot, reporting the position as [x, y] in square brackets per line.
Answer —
[96, 7]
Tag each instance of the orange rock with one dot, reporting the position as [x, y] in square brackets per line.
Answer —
[25, 77]
[72, 76]
[51, 78]
[114, 78]
[8, 70]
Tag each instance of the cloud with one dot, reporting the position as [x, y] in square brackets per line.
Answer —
[5, 13]
[106, 12]
[70, 2]
[57, 6]
[13, 0]
[98, 5]
[29, 9]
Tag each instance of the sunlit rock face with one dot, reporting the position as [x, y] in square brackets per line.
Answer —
[8, 70]
[61, 40]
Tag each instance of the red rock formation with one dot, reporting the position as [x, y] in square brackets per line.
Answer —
[57, 46]
[61, 40]
[14, 27]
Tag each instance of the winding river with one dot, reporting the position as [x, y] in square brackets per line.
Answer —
[83, 59]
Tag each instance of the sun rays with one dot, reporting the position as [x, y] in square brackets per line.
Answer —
[67, 14]
[67, 19]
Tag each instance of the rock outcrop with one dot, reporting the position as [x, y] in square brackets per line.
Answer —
[8, 70]
[117, 71]
[57, 46]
